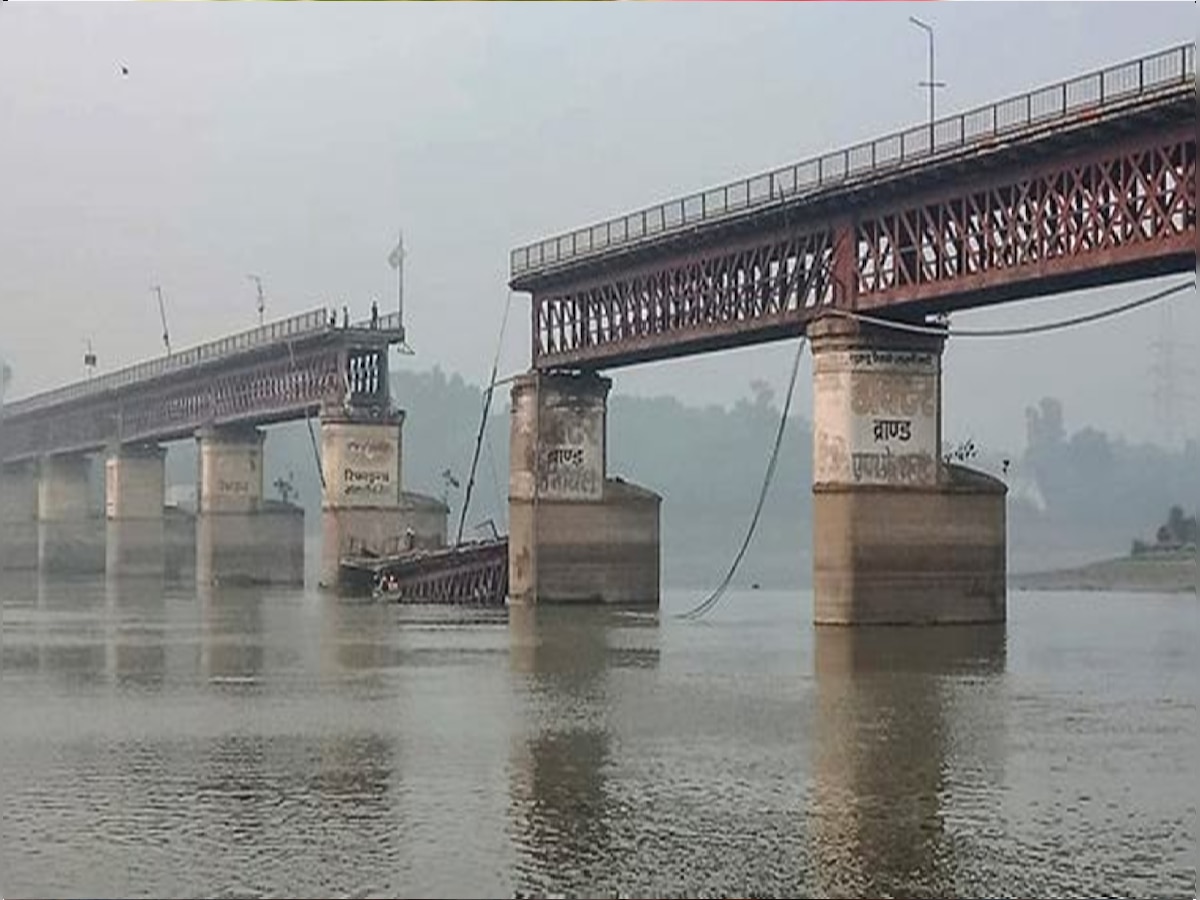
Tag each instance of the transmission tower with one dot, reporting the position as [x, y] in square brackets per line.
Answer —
[1170, 372]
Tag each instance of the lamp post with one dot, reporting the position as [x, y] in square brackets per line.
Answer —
[260, 296]
[932, 83]
[162, 314]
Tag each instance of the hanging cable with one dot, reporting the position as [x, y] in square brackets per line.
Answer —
[985, 332]
[1020, 330]
[312, 436]
[814, 278]
[715, 597]
[501, 507]
[487, 405]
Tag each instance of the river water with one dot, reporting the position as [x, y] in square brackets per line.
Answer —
[159, 742]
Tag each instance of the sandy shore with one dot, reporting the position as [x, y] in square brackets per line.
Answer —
[1157, 573]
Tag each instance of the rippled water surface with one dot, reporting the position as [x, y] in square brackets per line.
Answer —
[253, 743]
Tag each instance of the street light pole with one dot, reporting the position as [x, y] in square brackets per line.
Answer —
[262, 300]
[162, 313]
[933, 84]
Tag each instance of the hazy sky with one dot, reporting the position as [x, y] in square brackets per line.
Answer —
[292, 141]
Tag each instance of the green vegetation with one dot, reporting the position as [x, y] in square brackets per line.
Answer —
[1166, 566]
[1177, 533]
[708, 464]
[1089, 477]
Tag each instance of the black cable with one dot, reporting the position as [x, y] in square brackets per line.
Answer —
[715, 597]
[1021, 329]
[483, 419]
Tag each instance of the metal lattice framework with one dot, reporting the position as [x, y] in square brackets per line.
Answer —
[479, 584]
[774, 283]
[1101, 189]
[1048, 106]
[1124, 207]
[251, 383]
[472, 574]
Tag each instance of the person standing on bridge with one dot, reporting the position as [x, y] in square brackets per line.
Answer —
[374, 314]
[345, 316]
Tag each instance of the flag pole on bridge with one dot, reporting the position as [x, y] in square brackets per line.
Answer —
[396, 261]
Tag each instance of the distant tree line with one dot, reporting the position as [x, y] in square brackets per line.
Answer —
[708, 463]
[1176, 533]
[1090, 480]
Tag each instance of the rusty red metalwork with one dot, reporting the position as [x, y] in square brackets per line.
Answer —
[471, 574]
[281, 377]
[1098, 193]
[1123, 211]
[774, 283]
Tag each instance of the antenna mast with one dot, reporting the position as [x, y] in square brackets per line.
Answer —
[1169, 374]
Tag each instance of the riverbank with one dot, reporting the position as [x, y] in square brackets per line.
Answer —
[1152, 573]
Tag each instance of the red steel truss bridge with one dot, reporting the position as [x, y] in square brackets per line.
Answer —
[1087, 182]
[279, 371]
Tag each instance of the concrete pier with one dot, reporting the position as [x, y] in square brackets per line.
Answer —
[240, 538]
[363, 507]
[900, 537]
[575, 535]
[134, 489]
[70, 536]
[18, 516]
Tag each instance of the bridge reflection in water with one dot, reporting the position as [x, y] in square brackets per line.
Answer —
[883, 762]
[242, 741]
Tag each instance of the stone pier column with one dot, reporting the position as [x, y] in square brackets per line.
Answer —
[18, 516]
[134, 493]
[575, 535]
[899, 536]
[364, 508]
[70, 537]
[241, 538]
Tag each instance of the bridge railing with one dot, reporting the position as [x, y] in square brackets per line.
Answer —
[386, 322]
[297, 326]
[1055, 102]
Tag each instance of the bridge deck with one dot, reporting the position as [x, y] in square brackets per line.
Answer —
[278, 371]
[1010, 120]
[1088, 182]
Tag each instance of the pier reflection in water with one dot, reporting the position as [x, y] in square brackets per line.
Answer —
[567, 826]
[134, 622]
[160, 741]
[909, 724]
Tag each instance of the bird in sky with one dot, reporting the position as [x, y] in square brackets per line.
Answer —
[124, 70]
